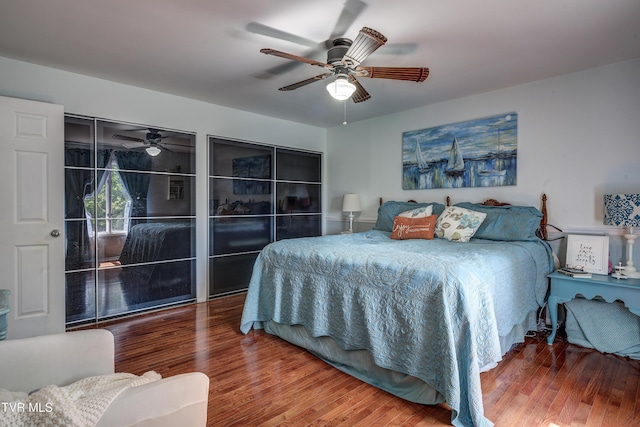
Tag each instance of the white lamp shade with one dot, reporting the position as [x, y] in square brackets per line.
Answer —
[341, 89]
[350, 203]
[622, 210]
[153, 151]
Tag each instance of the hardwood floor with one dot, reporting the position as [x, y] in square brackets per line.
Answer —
[258, 379]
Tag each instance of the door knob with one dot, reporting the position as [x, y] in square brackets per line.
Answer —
[55, 233]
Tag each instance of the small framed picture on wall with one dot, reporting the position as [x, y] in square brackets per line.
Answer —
[176, 189]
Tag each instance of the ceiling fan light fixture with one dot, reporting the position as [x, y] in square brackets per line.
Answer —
[153, 151]
[341, 89]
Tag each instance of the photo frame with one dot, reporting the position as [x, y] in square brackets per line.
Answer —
[176, 188]
[589, 252]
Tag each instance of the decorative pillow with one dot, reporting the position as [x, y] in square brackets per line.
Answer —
[417, 213]
[389, 210]
[509, 223]
[413, 228]
[458, 224]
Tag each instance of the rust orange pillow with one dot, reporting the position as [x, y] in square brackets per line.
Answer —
[413, 228]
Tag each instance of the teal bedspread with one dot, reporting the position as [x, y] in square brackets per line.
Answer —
[429, 308]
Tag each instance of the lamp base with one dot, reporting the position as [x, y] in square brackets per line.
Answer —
[630, 271]
[350, 230]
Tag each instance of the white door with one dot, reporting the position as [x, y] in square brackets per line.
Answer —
[32, 215]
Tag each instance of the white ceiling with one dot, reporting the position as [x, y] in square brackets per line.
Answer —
[202, 49]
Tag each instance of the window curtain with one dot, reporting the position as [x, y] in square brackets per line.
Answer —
[78, 184]
[136, 183]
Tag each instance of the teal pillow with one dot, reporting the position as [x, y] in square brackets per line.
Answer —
[509, 223]
[389, 210]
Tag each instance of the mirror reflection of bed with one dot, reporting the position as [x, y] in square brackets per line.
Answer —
[146, 273]
[235, 229]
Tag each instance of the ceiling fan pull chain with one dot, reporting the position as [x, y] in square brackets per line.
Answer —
[344, 122]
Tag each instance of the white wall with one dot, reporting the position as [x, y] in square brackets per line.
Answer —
[100, 98]
[578, 138]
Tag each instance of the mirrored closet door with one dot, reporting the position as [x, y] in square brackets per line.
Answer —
[129, 218]
[257, 194]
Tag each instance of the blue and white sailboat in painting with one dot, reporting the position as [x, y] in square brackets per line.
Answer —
[498, 171]
[455, 165]
[423, 165]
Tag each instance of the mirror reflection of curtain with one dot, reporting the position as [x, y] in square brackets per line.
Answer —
[78, 184]
[136, 183]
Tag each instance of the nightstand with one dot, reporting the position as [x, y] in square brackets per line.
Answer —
[564, 288]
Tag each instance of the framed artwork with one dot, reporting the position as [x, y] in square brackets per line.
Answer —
[176, 189]
[258, 167]
[589, 252]
[475, 153]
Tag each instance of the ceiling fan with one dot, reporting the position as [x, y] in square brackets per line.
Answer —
[343, 62]
[349, 13]
[152, 142]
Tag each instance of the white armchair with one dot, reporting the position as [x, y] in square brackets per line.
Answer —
[32, 363]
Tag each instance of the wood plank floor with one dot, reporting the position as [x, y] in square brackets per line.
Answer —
[258, 379]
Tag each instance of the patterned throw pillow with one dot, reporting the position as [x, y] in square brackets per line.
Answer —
[458, 224]
[421, 212]
[421, 227]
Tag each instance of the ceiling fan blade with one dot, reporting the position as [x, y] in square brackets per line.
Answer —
[412, 74]
[163, 147]
[131, 145]
[277, 70]
[306, 82]
[175, 144]
[288, 66]
[366, 42]
[265, 30]
[361, 94]
[350, 11]
[127, 138]
[295, 57]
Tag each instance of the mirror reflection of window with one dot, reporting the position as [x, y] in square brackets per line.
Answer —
[112, 205]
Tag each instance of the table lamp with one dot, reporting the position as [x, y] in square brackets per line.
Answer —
[624, 210]
[350, 204]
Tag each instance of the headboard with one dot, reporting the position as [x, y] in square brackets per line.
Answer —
[542, 231]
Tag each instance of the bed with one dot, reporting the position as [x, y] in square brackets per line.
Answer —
[420, 318]
[157, 241]
[147, 273]
[240, 227]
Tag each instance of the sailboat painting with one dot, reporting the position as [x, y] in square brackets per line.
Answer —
[423, 164]
[475, 153]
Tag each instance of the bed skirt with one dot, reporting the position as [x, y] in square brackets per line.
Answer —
[359, 363]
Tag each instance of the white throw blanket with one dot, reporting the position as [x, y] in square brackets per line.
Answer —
[79, 404]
